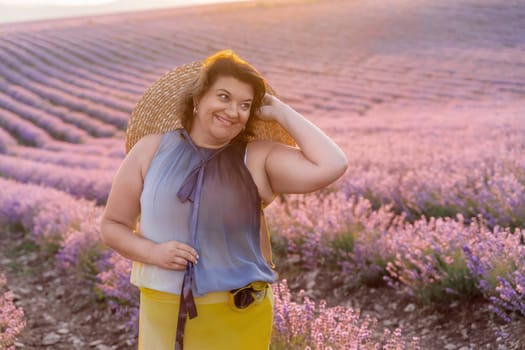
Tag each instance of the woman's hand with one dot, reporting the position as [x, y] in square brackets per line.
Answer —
[271, 108]
[174, 255]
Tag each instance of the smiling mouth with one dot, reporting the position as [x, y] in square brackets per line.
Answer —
[224, 121]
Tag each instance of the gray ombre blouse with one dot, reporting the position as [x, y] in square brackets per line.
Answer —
[227, 236]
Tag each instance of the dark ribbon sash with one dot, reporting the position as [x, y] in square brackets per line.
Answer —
[191, 191]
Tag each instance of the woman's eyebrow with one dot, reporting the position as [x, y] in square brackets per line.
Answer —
[229, 93]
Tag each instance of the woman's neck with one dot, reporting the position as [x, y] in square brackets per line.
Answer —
[206, 142]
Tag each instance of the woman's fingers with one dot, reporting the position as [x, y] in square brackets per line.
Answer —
[179, 263]
[267, 99]
[175, 255]
[183, 255]
[187, 252]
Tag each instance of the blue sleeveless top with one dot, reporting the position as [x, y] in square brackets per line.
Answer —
[228, 223]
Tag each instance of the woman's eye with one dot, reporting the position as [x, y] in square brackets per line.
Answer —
[245, 106]
[223, 97]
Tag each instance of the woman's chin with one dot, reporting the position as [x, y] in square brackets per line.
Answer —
[227, 133]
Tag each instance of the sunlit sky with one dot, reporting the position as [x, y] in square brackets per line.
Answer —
[30, 10]
[56, 2]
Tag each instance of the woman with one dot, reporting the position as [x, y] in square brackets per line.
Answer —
[209, 147]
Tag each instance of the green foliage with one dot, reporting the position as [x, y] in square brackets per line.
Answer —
[14, 227]
[373, 276]
[456, 282]
[282, 342]
[343, 243]
[51, 245]
[279, 245]
[436, 210]
[86, 261]
[499, 269]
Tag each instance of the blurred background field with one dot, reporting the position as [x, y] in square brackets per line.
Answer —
[13, 11]
[422, 237]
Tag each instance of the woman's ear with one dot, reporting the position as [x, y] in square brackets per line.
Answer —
[195, 101]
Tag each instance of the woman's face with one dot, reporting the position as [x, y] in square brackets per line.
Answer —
[222, 112]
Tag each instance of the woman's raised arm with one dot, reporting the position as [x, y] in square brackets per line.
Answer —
[317, 161]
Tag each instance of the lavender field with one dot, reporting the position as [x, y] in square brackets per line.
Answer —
[427, 100]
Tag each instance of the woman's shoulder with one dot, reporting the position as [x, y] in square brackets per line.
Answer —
[260, 149]
[260, 146]
[147, 143]
[153, 141]
[144, 150]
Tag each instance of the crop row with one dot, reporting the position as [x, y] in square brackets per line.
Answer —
[107, 147]
[34, 66]
[438, 163]
[23, 130]
[86, 183]
[432, 260]
[53, 125]
[78, 118]
[6, 140]
[36, 83]
[101, 52]
[66, 159]
[59, 57]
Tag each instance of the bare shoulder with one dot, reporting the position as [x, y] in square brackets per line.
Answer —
[148, 141]
[259, 148]
[143, 151]
[262, 148]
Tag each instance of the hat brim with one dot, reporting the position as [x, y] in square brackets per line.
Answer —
[159, 109]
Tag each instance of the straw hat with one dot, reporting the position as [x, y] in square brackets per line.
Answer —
[159, 109]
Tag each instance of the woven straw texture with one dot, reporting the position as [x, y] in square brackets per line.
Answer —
[157, 111]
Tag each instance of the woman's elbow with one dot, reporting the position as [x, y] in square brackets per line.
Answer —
[341, 170]
[104, 232]
[329, 173]
[339, 166]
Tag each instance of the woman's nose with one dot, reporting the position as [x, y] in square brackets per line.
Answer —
[232, 110]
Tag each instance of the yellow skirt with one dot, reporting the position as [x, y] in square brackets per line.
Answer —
[218, 326]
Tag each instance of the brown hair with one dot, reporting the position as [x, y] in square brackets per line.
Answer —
[224, 64]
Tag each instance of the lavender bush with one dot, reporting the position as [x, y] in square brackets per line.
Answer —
[90, 184]
[79, 73]
[303, 324]
[12, 320]
[350, 235]
[112, 149]
[496, 258]
[45, 213]
[6, 141]
[53, 125]
[115, 286]
[437, 163]
[432, 260]
[429, 263]
[66, 158]
[35, 82]
[81, 250]
[92, 126]
[23, 130]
